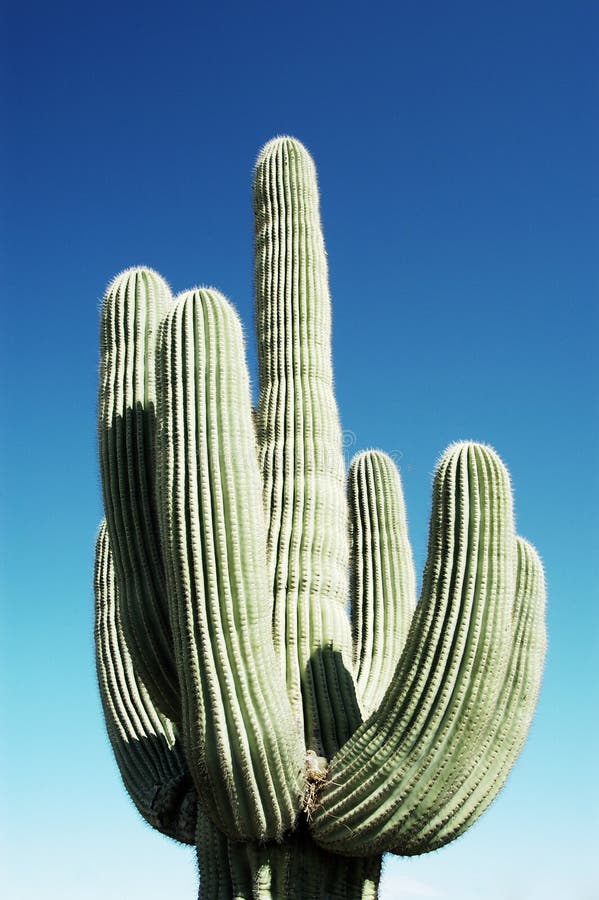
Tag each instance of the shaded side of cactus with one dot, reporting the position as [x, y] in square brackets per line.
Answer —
[133, 305]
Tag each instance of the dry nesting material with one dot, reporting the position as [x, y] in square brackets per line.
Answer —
[316, 774]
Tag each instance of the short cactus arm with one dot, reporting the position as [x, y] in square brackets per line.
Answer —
[382, 577]
[442, 698]
[300, 448]
[147, 752]
[484, 777]
[132, 306]
[244, 751]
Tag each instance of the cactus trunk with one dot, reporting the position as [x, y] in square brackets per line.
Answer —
[295, 870]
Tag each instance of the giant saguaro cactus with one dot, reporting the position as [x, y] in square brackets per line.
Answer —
[249, 714]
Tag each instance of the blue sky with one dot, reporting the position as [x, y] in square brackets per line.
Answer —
[455, 145]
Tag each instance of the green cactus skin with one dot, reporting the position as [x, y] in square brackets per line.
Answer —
[148, 754]
[293, 870]
[440, 706]
[299, 440]
[133, 305]
[383, 581]
[235, 712]
[248, 714]
[488, 769]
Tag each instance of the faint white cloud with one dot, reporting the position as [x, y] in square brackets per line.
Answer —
[401, 886]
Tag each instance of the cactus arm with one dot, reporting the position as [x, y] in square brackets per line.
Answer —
[132, 306]
[300, 455]
[245, 754]
[447, 682]
[382, 577]
[147, 752]
[487, 773]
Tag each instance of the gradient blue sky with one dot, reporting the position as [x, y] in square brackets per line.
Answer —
[455, 144]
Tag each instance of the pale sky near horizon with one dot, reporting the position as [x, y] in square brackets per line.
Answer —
[456, 146]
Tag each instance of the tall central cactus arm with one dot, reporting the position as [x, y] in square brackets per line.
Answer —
[443, 696]
[147, 752]
[300, 448]
[244, 751]
[382, 577]
[132, 307]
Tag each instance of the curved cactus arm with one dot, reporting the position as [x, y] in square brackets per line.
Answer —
[245, 754]
[443, 695]
[300, 451]
[382, 577]
[457, 809]
[147, 752]
[133, 304]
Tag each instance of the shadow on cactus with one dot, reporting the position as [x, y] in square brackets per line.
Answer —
[249, 714]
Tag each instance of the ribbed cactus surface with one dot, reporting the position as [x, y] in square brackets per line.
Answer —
[293, 721]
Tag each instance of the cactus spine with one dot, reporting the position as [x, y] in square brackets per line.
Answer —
[249, 715]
